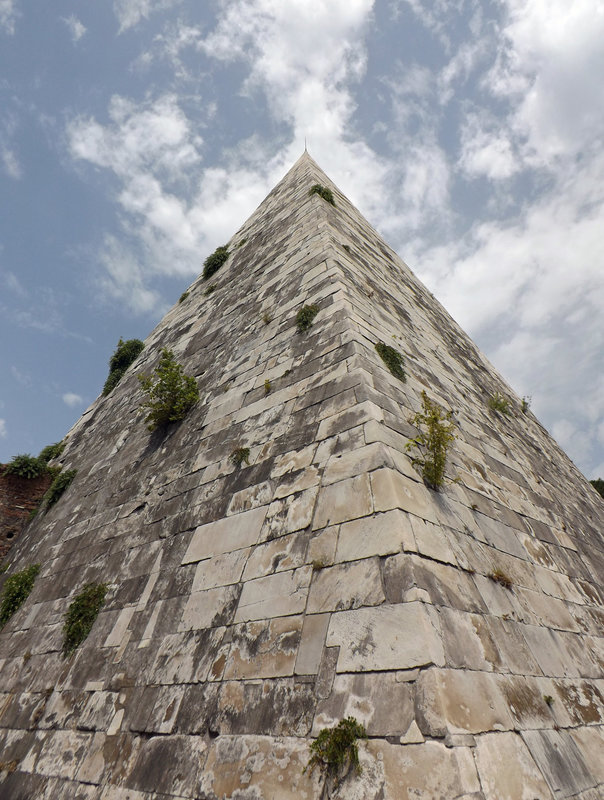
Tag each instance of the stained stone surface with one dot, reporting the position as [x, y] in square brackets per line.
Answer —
[251, 606]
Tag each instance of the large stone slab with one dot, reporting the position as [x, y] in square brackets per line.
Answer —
[225, 535]
[277, 595]
[386, 637]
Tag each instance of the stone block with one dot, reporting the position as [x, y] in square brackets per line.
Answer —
[468, 641]
[289, 514]
[277, 595]
[278, 707]
[265, 649]
[169, 765]
[386, 637]
[342, 501]
[184, 657]
[507, 770]
[392, 490]
[278, 555]
[210, 608]
[357, 462]
[225, 535]
[221, 570]
[431, 541]
[312, 642]
[344, 586]
[378, 701]
[378, 535]
[560, 762]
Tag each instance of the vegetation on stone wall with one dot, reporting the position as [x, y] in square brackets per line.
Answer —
[323, 192]
[240, 455]
[335, 750]
[433, 441]
[17, 589]
[58, 486]
[51, 451]
[392, 359]
[499, 576]
[81, 614]
[598, 485]
[25, 466]
[498, 402]
[214, 261]
[183, 297]
[125, 353]
[170, 393]
[306, 316]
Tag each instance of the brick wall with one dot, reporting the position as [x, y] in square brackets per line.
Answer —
[17, 498]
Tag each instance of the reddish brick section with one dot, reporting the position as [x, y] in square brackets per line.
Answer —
[17, 498]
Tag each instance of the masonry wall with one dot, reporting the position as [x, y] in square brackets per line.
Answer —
[250, 606]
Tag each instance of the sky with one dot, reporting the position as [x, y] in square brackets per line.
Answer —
[138, 135]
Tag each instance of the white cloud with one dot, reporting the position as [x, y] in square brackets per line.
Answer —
[10, 162]
[76, 28]
[130, 12]
[486, 149]
[21, 377]
[3, 430]
[8, 16]
[71, 399]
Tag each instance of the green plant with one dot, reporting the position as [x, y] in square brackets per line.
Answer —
[318, 564]
[598, 485]
[81, 614]
[392, 359]
[433, 443]
[267, 318]
[214, 261]
[549, 700]
[58, 486]
[240, 455]
[51, 451]
[323, 192]
[526, 404]
[267, 386]
[305, 317]
[501, 578]
[335, 750]
[17, 589]
[211, 288]
[170, 394]
[25, 466]
[241, 243]
[4, 567]
[183, 297]
[497, 402]
[125, 353]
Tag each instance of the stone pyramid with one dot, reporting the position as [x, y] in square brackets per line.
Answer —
[251, 606]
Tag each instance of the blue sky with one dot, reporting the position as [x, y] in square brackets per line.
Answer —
[137, 135]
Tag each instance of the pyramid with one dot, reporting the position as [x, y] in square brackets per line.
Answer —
[251, 607]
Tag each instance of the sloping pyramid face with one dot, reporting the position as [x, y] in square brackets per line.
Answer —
[252, 606]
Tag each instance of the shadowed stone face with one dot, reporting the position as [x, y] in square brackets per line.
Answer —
[252, 606]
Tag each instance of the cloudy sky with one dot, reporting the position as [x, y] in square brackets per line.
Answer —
[137, 135]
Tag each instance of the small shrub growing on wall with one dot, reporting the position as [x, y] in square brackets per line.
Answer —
[240, 456]
[323, 192]
[497, 402]
[25, 466]
[81, 614]
[335, 750]
[170, 393]
[51, 451]
[58, 486]
[306, 316]
[433, 440]
[125, 354]
[214, 261]
[16, 590]
[392, 359]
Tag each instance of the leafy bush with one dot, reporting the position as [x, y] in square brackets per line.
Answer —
[125, 354]
[25, 466]
[58, 486]
[392, 359]
[51, 451]
[305, 317]
[497, 402]
[170, 394]
[81, 614]
[183, 297]
[16, 590]
[433, 443]
[598, 485]
[214, 261]
[323, 192]
[501, 578]
[335, 750]
[240, 455]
